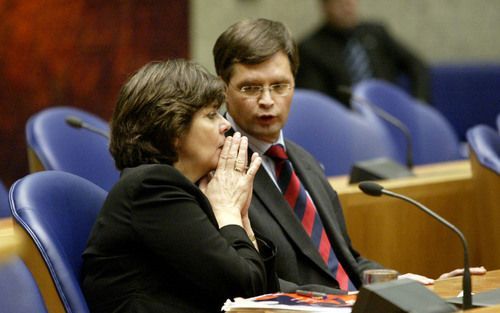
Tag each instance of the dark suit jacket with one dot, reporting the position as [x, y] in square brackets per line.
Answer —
[298, 262]
[322, 64]
[156, 247]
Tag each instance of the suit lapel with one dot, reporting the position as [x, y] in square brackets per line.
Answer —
[269, 194]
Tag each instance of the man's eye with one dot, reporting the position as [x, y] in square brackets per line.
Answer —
[281, 87]
[251, 89]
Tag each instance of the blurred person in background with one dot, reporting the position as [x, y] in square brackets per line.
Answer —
[345, 50]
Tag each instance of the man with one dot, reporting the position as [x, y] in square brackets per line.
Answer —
[258, 61]
[344, 51]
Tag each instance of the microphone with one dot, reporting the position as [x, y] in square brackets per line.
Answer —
[76, 122]
[389, 118]
[374, 189]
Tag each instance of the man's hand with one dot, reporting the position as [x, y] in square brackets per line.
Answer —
[473, 270]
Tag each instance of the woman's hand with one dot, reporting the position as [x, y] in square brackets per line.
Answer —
[229, 189]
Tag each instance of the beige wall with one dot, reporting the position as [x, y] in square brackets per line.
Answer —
[439, 30]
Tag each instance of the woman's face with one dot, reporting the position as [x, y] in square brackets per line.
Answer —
[199, 149]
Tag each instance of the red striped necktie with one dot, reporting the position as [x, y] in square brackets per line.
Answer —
[304, 209]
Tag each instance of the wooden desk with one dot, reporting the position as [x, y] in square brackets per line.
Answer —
[445, 288]
[450, 287]
[400, 236]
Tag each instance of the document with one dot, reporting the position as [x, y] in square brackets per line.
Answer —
[293, 302]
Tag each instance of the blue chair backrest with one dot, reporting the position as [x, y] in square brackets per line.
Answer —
[467, 94]
[19, 292]
[485, 143]
[58, 209]
[336, 136]
[4, 201]
[59, 146]
[433, 137]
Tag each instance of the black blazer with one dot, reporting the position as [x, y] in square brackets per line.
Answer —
[298, 262]
[156, 247]
[322, 64]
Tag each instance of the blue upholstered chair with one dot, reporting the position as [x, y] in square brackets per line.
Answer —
[54, 145]
[4, 201]
[433, 138]
[498, 122]
[466, 93]
[57, 210]
[336, 136]
[484, 142]
[19, 292]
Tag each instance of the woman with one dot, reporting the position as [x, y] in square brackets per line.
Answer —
[173, 234]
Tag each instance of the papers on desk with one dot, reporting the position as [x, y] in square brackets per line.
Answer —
[292, 302]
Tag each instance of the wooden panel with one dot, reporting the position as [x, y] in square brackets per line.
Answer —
[76, 53]
[487, 200]
[15, 241]
[400, 236]
[34, 261]
[9, 244]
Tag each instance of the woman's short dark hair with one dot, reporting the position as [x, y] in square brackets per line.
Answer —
[156, 106]
[253, 42]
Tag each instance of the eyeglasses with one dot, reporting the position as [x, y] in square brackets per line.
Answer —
[256, 91]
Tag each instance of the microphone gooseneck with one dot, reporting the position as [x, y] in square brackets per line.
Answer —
[389, 118]
[78, 123]
[374, 189]
[399, 125]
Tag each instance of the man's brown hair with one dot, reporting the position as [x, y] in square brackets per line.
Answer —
[253, 42]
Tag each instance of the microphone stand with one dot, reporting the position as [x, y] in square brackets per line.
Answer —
[374, 189]
[466, 279]
[394, 122]
[387, 117]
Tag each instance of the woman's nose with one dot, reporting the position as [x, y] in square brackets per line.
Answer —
[225, 125]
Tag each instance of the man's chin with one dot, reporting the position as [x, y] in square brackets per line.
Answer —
[268, 134]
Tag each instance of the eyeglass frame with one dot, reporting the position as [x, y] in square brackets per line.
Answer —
[261, 89]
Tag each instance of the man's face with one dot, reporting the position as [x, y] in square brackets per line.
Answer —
[264, 115]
